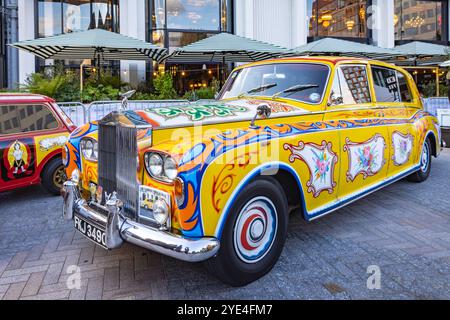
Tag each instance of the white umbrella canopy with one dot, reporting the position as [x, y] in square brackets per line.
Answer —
[423, 53]
[339, 47]
[225, 47]
[92, 44]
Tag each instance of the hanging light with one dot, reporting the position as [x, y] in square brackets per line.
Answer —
[395, 20]
[204, 67]
[350, 24]
[326, 18]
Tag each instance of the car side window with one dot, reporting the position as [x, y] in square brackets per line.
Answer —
[36, 117]
[26, 118]
[351, 84]
[386, 84]
[9, 122]
[405, 91]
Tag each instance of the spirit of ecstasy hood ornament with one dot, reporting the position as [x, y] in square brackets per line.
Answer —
[125, 96]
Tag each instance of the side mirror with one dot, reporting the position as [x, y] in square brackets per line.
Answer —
[263, 111]
[336, 99]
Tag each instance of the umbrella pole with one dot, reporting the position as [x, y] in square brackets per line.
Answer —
[98, 67]
[223, 69]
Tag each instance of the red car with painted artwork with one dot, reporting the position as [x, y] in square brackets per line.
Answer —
[33, 130]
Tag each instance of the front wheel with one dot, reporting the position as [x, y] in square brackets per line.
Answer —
[54, 176]
[254, 233]
[425, 164]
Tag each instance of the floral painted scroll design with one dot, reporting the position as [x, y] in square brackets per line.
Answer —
[366, 158]
[402, 144]
[321, 161]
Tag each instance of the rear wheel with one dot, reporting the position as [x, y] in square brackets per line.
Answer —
[54, 176]
[254, 233]
[425, 164]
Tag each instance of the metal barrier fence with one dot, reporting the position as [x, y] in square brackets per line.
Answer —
[81, 113]
[76, 111]
[433, 104]
[98, 109]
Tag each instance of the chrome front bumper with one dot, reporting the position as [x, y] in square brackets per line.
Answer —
[119, 228]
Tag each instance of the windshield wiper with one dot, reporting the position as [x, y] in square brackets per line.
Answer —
[258, 89]
[296, 88]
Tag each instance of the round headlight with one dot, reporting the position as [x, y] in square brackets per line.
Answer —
[154, 164]
[160, 211]
[75, 177]
[170, 168]
[89, 147]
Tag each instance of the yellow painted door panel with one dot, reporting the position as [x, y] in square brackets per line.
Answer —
[365, 149]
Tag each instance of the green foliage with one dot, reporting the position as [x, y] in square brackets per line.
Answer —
[203, 93]
[139, 95]
[100, 92]
[164, 89]
[429, 90]
[57, 83]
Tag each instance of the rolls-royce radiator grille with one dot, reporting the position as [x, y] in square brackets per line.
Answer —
[117, 164]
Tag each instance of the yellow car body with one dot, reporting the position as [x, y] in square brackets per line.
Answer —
[324, 155]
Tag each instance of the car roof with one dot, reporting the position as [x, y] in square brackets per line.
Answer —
[324, 59]
[24, 98]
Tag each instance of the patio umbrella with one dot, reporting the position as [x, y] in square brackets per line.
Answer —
[338, 47]
[92, 44]
[223, 48]
[423, 52]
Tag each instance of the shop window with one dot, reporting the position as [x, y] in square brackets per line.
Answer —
[50, 18]
[419, 20]
[193, 14]
[337, 18]
[64, 16]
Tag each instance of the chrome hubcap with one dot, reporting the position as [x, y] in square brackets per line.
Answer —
[425, 158]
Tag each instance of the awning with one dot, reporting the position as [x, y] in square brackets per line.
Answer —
[90, 44]
[339, 47]
[423, 53]
[224, 48]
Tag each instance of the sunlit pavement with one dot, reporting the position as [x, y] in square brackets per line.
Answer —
[403, 229]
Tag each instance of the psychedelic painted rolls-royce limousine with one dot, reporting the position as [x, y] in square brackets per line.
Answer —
[217, 182]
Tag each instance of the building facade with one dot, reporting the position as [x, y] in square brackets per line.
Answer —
[175, 23]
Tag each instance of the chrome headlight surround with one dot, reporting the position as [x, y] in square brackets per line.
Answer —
[65, 156]
[161, 166]
[89, 149]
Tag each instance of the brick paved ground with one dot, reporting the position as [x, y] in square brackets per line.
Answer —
[404, 229]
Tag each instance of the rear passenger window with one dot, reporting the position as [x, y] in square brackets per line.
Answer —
[26, 118]
[353, 84]
[405, 92]
[386, 84]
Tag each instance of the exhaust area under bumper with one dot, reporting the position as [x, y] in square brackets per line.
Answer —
[118, 229]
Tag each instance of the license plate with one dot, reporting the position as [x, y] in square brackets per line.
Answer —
[90, 231]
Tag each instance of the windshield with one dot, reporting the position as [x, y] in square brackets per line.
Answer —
[305, 82]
